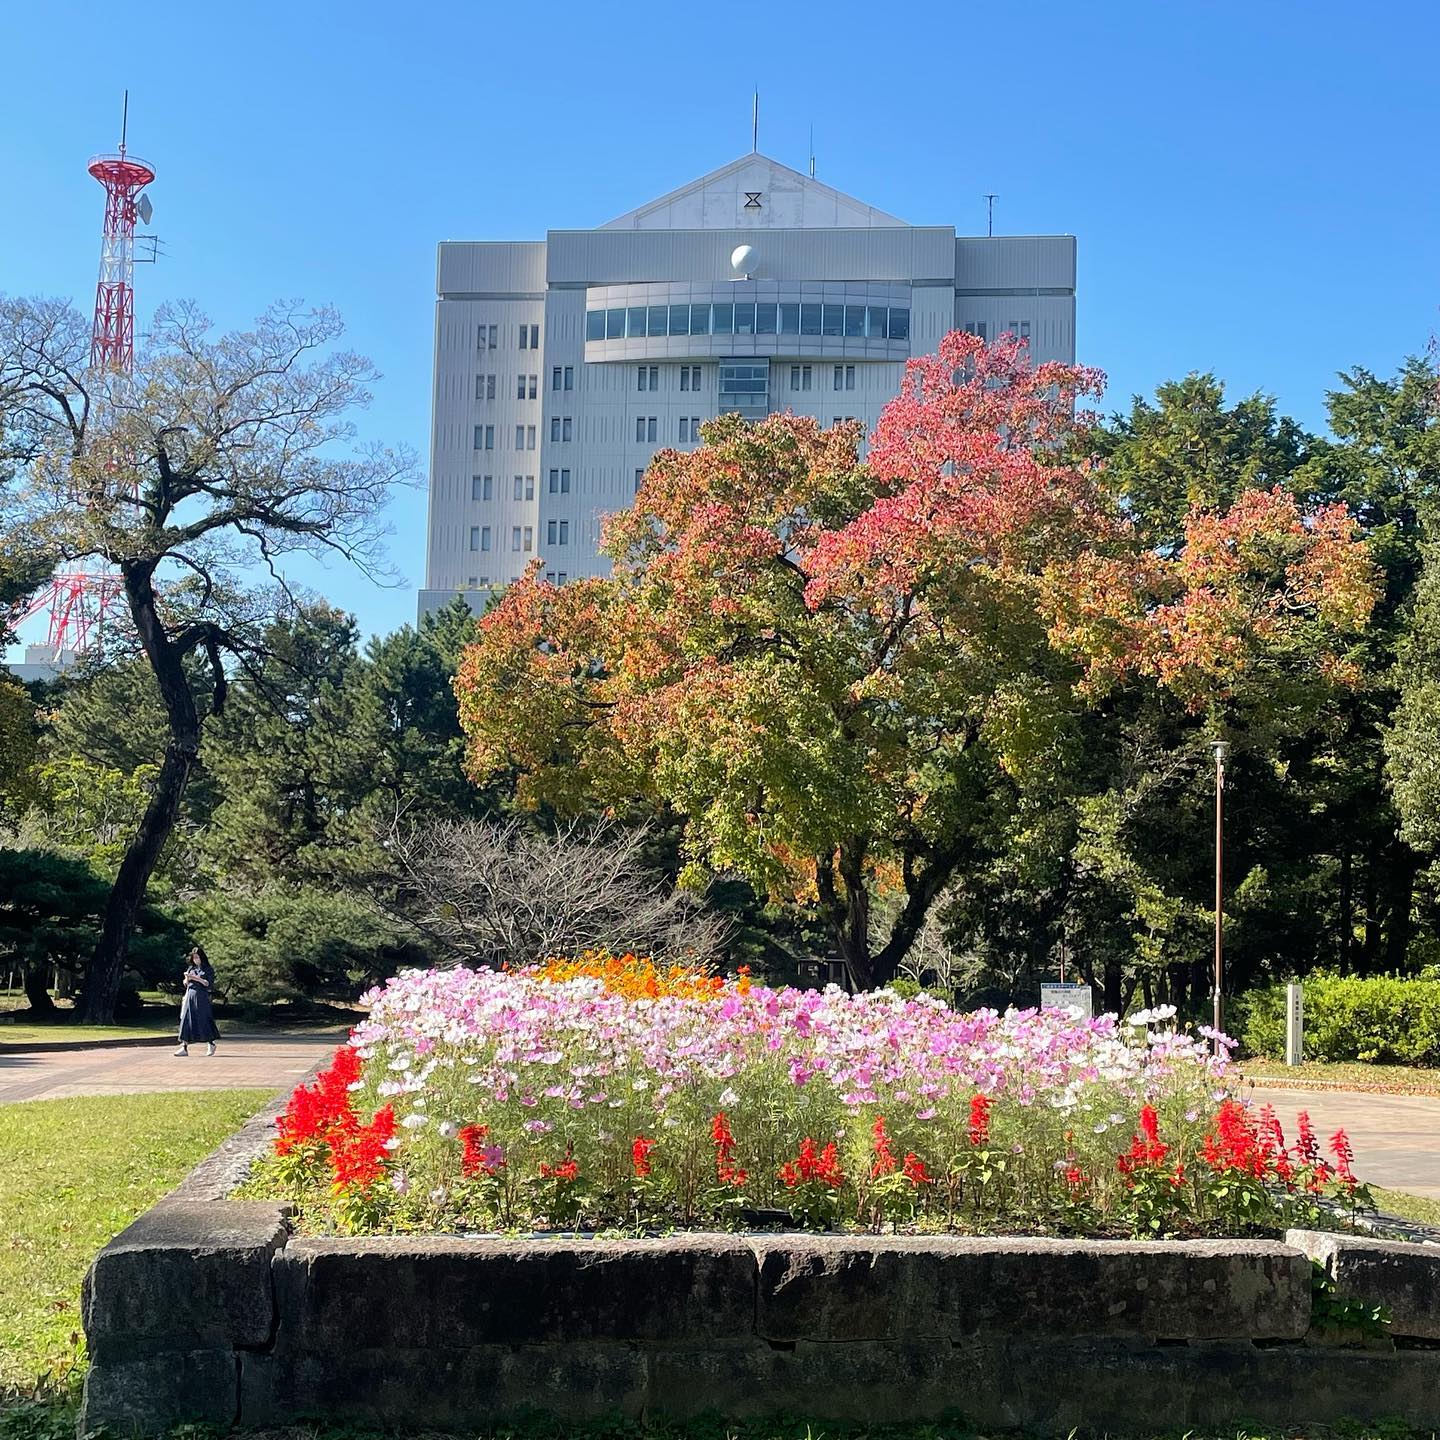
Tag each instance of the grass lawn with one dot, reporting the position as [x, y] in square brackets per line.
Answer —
[1420, 1208]
[161, 1018]
[77, 1172]
[1348, 1075]
[39, 1034]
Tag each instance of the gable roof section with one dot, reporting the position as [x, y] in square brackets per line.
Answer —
[754, 192]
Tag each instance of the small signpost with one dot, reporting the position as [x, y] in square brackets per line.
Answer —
[1294, 1024]
[1077, 998]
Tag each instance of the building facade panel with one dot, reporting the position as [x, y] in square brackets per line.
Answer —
[546, 417]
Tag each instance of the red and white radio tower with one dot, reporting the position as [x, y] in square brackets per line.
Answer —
[78, 602]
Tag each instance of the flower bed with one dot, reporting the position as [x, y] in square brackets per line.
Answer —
[603, 1093]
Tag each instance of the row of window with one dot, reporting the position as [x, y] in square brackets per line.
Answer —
[647, 377]
[562, 427]
[524, 437]
[1020, 329]
[527, 387]
[522, 537]
[750, 317]
[488, 337]
[482, 487]
[562, 377]
[552, 577]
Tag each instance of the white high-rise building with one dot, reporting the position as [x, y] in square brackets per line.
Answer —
[563, 364]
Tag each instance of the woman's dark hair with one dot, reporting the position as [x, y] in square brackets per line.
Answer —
[197, 953]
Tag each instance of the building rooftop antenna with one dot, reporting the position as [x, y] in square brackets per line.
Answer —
[990, 214]
[812, 149]
[755, 125]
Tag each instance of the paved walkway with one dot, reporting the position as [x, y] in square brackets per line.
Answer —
[274, 1062]
[1396, 1137]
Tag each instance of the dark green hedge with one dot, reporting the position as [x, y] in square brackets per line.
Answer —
[1384, 1018]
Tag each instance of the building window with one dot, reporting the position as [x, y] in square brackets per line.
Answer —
[567, 428]
[647, 377]
[529, 487]
[554, 428]
[559, 482]
[978, 327]
[1020, 329]
[515, 537]
[484, 387]
[525, 386]
[474, 537]
[524, 437]
[555, 378]
[529, 437]
[484, 537]
[801, 377]
[689, 377]
[639, 479]
[486, 337]
[519, 487]
[569, 377]
[482, 487]
[550, 533]
[529, 337]
[689, 429]
[529, 538]
[484, 437]
[844, 377]
[647, 427]
[557, 532]
[561, 577]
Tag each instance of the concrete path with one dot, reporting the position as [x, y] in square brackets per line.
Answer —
[273, 1062]
[1396, 1137]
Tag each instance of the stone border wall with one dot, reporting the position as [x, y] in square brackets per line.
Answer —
[207, 1309]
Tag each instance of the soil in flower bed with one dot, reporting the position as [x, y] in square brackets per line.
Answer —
[608, 1097]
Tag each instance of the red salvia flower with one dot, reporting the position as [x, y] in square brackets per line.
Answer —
[980, 1119]
[1307, 1148]
[357, 1157]
[914, 1170]
[477, 1158]
[813, 1164]
[726, 1169]
[640, 1156]
[316, 1113]
[1344, 1159]
[885, 1162]
[1074, 1178]
[567, 1170]
[1146, 1147]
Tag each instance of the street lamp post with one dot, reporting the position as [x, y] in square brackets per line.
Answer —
[1221, 749]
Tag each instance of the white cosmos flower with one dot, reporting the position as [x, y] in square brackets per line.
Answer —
[448, 1129]
[729, 1097]
[414, 1122]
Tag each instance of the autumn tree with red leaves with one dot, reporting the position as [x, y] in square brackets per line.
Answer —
[836, 670]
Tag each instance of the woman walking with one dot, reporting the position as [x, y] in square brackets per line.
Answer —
[197, 1018]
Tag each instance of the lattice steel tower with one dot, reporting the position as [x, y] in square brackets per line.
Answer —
[112, 341]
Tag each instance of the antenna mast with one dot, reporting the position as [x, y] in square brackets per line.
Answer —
[812, 149]
[990, 207]
[755, 125]
[112, 339]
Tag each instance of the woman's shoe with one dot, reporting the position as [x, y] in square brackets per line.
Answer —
[210, 1048]
[183, 1051]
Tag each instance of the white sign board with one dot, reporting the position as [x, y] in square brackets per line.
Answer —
[1068, 997]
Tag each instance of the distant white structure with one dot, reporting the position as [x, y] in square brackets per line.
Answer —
[563, 364]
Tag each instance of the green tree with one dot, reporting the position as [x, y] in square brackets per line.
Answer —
[220, 455]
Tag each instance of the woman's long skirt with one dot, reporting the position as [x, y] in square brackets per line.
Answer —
[197, 1017]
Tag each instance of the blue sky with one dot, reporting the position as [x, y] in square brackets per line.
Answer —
[1254, 186]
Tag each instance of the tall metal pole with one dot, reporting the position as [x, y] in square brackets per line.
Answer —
[1221, 749]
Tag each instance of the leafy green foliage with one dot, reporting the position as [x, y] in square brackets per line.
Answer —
[1385, 1019]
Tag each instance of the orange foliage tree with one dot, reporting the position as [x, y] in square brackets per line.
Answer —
[833, 669]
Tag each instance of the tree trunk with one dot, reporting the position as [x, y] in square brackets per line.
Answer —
[37, 992]
[1401, 886]
[1374, 930]
[1347, 907]
[1113, 998]
[102, 982]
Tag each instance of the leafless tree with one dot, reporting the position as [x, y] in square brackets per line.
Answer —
[219, 458]
[494, 893]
